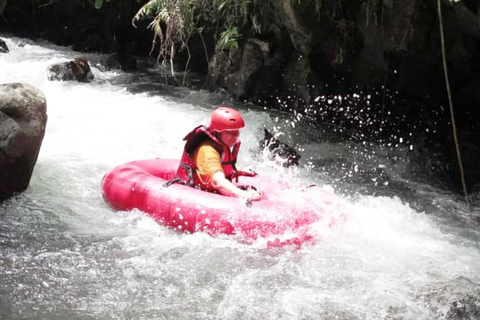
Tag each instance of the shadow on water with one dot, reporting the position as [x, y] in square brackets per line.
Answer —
[155, 79]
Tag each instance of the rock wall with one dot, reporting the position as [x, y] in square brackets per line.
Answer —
[382, 57]
[388, 53]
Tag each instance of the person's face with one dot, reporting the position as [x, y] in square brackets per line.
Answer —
[229, 137]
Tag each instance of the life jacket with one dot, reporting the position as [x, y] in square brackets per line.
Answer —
[186, 172]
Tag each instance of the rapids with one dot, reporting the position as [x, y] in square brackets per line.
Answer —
[407, 250]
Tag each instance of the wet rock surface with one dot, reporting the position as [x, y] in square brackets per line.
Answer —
[75, 70]
[23, 121]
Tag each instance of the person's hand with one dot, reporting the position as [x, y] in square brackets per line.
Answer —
[251, 195]
[248, 171]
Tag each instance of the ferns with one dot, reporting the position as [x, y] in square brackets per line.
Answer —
[174, 21]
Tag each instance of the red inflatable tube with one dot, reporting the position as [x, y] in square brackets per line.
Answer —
[284, 216]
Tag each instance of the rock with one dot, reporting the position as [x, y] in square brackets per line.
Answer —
[287, 155]
[75, 70]
[290, 15]
[241, 70]
[295, 83]
[23, 120]
[92, 39]
[467, 307]
[124, 62]
[223, 65]
[457, 299]
[3, 47]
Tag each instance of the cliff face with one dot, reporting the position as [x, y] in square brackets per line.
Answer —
[383, 58]
[374, 66]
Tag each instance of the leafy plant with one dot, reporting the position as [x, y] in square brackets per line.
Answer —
[3, 4]
[229, 37]
[174, 21]
[99, 3]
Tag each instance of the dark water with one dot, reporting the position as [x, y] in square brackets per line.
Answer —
[405, 251]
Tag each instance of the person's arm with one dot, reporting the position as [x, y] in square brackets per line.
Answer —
[225, 187]
[210, 173]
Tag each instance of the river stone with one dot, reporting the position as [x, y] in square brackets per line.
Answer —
[76, 70]
[3, 47]
[124, 62]
[287, 155]
[23, 118]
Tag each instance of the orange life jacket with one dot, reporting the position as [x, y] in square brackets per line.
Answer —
[186, 172]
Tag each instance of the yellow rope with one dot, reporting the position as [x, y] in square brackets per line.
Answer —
[454, 128]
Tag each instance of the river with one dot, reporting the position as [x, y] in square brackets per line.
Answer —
[406, 250]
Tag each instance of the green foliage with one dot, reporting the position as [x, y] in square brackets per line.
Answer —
[150, 9]
[229, 37]
[174, 21]
[99, 3]
[3, 3]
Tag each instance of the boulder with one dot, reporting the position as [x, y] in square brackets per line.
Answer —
[3, 47]
[280, 151]
[119, 61]
[23, 120]
[241, 70]
[75, 70]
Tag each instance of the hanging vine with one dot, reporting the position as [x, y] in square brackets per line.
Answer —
[450, 102]
[174, 21]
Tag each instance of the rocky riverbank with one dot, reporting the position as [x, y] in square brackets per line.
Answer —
[373, 68]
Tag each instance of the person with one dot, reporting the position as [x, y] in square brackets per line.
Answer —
[210, 155]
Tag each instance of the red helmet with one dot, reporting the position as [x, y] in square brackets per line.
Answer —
[225, 118]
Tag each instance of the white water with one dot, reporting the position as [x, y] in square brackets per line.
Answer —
[66, 255]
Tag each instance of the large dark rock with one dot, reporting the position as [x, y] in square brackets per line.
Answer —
[236, 68]
[118, 61]
[23, 120]
[75, 70]
[3, 47]
[279, 151]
